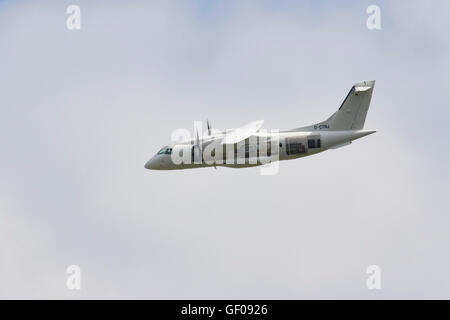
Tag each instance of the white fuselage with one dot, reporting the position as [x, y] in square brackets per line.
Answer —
[286, 145]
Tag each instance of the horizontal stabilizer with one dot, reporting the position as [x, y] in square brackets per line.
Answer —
[362, 89]
[341, 145]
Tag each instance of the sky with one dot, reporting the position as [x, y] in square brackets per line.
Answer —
[83, 110]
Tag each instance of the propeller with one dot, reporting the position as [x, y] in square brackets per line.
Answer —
[197, 146]
[198, 140]
[209, 127]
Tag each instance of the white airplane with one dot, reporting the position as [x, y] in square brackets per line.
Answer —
[250, 146]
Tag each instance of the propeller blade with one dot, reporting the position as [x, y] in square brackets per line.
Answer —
[209, 127]
[198, 141]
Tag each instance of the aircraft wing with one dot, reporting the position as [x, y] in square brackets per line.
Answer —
[239, 134]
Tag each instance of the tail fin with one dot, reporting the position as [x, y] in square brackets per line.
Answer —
[352, 113]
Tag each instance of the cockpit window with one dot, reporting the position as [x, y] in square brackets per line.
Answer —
[162, 151]
[165, 150]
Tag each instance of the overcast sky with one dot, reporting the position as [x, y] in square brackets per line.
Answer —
[83, 110]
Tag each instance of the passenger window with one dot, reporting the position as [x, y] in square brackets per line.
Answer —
[313, 143]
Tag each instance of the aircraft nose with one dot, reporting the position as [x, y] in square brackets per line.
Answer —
[151, 164]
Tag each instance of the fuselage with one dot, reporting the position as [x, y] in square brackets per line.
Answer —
[256, 150]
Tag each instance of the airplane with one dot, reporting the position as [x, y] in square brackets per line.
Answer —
[250, 146]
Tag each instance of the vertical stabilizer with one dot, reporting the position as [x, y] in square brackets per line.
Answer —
[352, 113]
